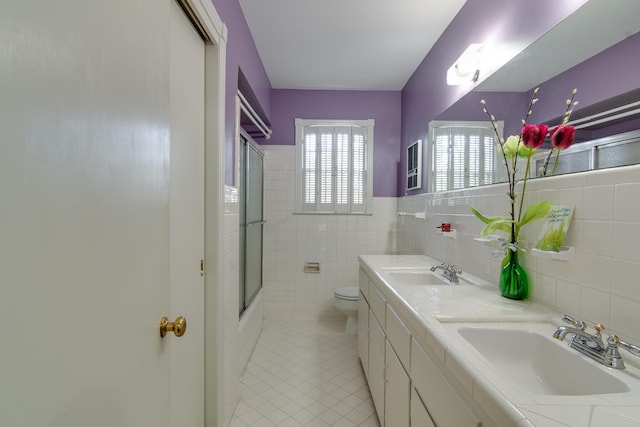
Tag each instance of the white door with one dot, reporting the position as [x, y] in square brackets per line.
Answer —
[85, 161]
[186, 201]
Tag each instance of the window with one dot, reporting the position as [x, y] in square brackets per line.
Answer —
[461, 154]
[334, 166]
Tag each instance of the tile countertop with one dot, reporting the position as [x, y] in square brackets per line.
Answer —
[433, 313]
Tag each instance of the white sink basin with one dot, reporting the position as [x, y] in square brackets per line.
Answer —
[418, 277]
[539, 364]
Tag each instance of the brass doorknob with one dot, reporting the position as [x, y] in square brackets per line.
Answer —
[179, 327]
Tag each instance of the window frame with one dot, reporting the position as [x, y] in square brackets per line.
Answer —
[333, 208]
[485, 126]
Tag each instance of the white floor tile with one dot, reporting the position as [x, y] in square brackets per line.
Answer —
[304, 374]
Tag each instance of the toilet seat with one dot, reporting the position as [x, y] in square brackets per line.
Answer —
[349, 293]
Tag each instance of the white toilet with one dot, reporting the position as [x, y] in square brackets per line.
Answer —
[346, 300]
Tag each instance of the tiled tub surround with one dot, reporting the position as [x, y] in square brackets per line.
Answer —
[232, 346]
[601, 284]
[335, 241]
[431, 313]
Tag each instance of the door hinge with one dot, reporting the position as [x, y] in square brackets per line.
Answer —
[201, 268]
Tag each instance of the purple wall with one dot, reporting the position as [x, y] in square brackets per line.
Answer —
[382, 106]
[241, 55]
[610, 73]
[518, 22]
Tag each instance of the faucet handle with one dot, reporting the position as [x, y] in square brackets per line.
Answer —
[568, 319]
[611, 353]
[453, 268]
[599, 328]
[579, 324]
[633, 349]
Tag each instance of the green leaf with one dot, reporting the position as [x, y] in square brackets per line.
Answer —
[535, 211]
[493, 224]
[503, 224]
[480, 216]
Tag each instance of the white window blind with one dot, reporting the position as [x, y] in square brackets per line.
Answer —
[334, 174]
[462, 154]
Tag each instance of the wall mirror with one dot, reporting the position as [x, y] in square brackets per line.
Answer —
[593, 50]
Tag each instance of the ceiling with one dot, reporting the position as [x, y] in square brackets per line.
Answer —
[377, 45]
[345, 44]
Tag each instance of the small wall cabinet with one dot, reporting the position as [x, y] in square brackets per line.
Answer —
[414, 165]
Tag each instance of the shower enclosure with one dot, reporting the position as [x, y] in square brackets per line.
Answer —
[251, 220]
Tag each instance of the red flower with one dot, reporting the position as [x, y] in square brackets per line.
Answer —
[533, 135]
[562, 136]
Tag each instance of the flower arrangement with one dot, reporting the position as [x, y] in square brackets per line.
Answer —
[562, 136]
[530, 139]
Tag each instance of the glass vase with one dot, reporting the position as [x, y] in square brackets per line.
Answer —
[513, 279]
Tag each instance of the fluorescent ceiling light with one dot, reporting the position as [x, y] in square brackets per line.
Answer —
[466, 69]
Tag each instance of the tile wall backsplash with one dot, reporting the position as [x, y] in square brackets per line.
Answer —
[333, 240]
[601, 284]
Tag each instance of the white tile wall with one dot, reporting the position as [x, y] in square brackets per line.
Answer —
[231, 371]
[600, 284]
[333, 240]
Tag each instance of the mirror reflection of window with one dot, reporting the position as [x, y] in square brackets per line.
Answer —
[462, 154]
[611, 151]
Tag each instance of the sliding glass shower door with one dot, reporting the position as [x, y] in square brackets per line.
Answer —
[251, 221]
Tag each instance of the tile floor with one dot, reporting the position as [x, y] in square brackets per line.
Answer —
[304, 373]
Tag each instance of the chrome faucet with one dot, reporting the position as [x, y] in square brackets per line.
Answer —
[591, 345]
[578, 331]
[450, 272]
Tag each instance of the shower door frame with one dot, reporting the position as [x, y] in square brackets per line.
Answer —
[246, 146]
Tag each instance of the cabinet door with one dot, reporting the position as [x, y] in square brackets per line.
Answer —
[376, 365]
[363, 283]
[396, 403]
[399, 337]
[419, 415]
[363, 333]
[444, 404]
[378, 305]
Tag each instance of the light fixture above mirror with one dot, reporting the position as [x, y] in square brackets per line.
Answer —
[466, 69]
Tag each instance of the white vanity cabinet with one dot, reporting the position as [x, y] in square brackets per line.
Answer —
[377, 345]
[363, 333]
[397, 391]
[419, 415]
[388, 379]
[443, 403]
[377, 365]
[407, 387]
[363, 323]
